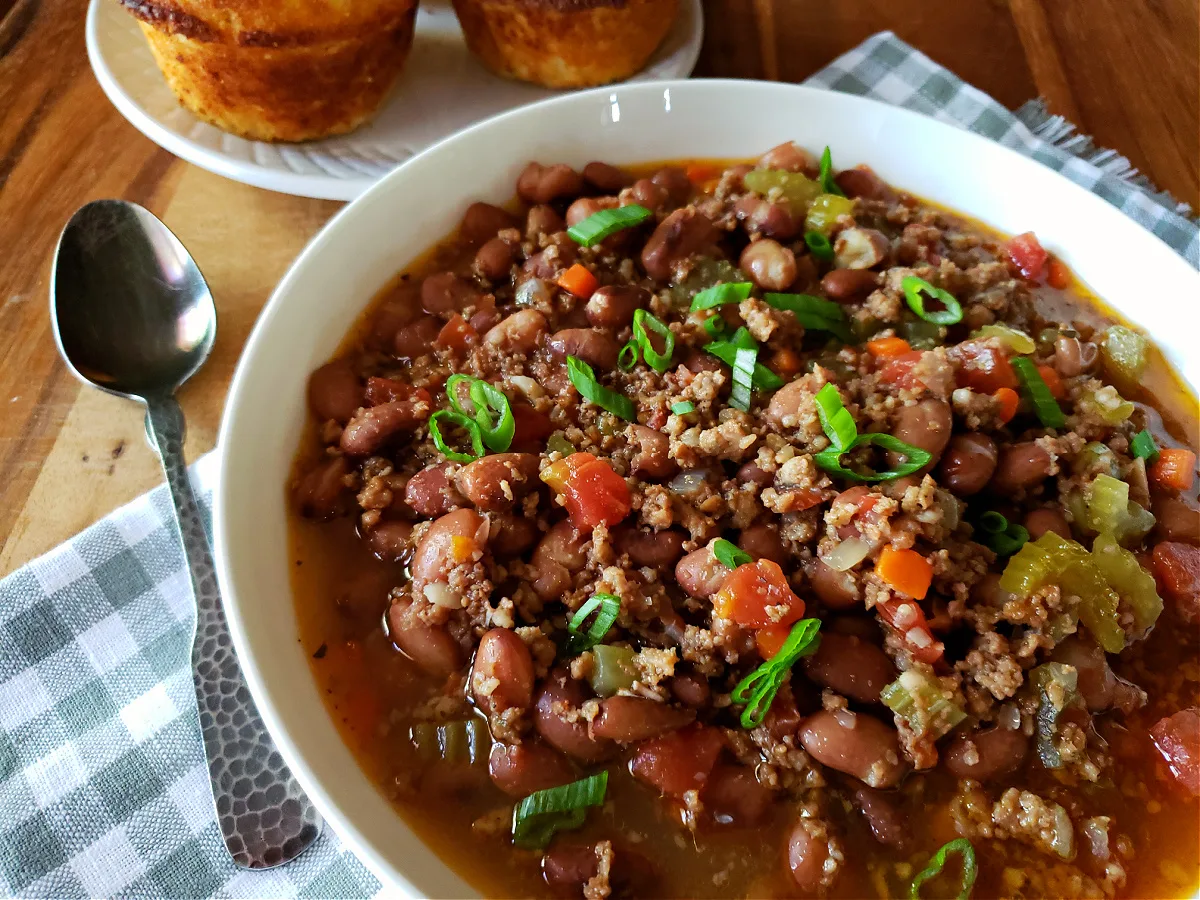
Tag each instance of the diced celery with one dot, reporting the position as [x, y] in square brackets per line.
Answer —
[459, 741]
[1038, 562]
[1135, 524]
[1125, 354]
[1122, 571]
[558, 443]
[1012, 338]
[925, 706]
[1095, 457]
[824, 212]
[424, 738]
[1105, 506]
[1098, 603]
[922, 335]
[1056, 685]
[1107, 405]
[794, 188]
[612, 669]
[705, 272]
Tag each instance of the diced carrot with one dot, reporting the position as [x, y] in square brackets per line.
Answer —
[770, 639]
[579, 281]
[1007, 399]
[907, 619]
[456, 334]
[1053, 382]
[885, 348]
[590, 490]
[906, 571]
[785, 362]
[698, 172]
[751, 590]
[1058, 275]
[1175, 469]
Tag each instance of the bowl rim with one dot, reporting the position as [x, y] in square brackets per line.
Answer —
[225, 506]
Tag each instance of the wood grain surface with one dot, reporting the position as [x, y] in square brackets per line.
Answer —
[1126, 73]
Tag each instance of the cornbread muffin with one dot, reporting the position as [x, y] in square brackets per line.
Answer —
[279, 70]
[565, 43]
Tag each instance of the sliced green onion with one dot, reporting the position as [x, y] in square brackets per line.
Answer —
[730, 555]
[970, 869]
[628, 356]
[744, 361]
[715, 327]
[818, 245]
[1002, 537]
[456, 418]
[914, 287]
[835, 418]
[585, 382]
[720, 294]
[993, 522]
[606, 607]
[825, 177]
[643, 324]
[683, 407]
[600, 225]
[758, 689]
[915, 458]
[539, 816]
[813, 313]
[1144, 446]
[490, 410]
[726, 352]
[1048, 410]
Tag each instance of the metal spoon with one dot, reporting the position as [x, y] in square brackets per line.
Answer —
[133, 316]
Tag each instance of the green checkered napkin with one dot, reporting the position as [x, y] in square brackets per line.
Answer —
[103, 788]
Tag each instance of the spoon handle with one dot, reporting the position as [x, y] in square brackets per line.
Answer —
[264, 816]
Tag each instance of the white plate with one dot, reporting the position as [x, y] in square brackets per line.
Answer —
[441, 90]
[364, 245]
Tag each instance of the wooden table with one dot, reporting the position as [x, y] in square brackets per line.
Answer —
[1124, 72]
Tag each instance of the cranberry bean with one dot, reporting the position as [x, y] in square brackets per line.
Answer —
[415, 339]
[335, 392]
[542, 220]
[651, 459]
[567, 868]
[562, 551]
[596, 348]
[851, 667]
[1040, 521]
[453, 539]
[530, 428]
[613, 306]
[587, 206]
[525, 768]
[398, 310]
[430, 647]
[680, 235]
[511, 534]
[1178, 519]
[678, 762]
[543, 184]
[925, 425]
[494, 260]
[321, 492]
[860, 248]
[849, 285]
[691, 689]
[806, 853]
[482, 221]
[788, 157]
[762, 217]
[675, 181]
[862, 182]
[446, 292]
[701, 574]
[655, 549]
[986, 755]
[697, 361]
[1096, 681]
[502, 674]
[498, 480]
[385, 390]
[629, 719]
[391, 541]
[836, 590]
[557, 719]
[1067, 357]
[520, 332]
[1021, 466]
[785, 409]
[648, 194]
[370, 429]
[854, 743]
[968, 463]
[769, 264]
[547, 264]
[753, 473]
[432, 493]
[604, 177]
[733, 796]
[762, 541]
[886, 822]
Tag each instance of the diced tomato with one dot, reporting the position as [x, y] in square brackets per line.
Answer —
[898, 369]
[1027, 255]
[1177, 572]
[1058, 275]
[530, 429]
[753, 588]
[387, 390]
[770, 639]
[982, 368]
[590, 490]
[456, 334]
[908, 619]
[1177, 738]
[678, 762]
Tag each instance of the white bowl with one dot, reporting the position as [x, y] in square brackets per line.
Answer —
[384, 229]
